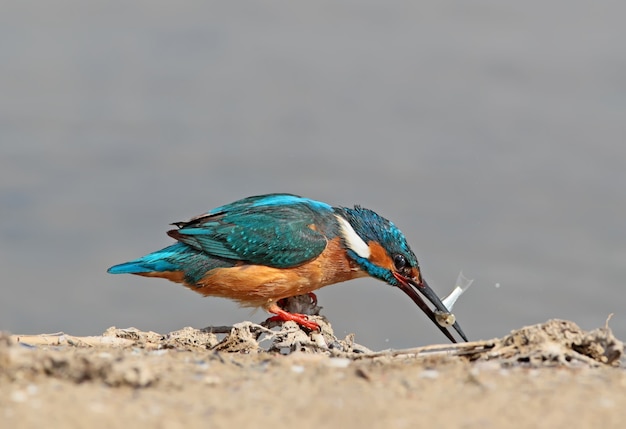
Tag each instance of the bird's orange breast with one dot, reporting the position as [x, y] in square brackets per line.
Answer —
[260, 286]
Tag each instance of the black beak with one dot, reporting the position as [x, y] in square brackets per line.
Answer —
[410, 287]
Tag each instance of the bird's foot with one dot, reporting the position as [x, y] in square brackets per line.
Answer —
[284, 316]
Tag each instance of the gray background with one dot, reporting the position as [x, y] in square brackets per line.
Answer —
[491, 133]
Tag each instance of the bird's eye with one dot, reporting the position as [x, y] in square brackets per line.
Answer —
[400, 262]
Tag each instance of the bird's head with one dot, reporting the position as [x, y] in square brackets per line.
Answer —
[379, 248]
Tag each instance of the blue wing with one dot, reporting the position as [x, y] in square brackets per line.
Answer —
[278, 230]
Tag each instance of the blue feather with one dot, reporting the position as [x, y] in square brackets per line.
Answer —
[159, 261]
[372, 227]
[270, 200]
[288, 199]
[273, 230]
[177, 257]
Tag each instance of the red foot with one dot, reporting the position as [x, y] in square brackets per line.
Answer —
[300, 319]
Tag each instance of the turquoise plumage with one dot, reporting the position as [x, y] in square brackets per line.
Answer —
[269, 230]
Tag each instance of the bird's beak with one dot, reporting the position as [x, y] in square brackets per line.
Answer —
[410, 286]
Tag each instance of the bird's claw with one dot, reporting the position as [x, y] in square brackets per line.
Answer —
[300, 319]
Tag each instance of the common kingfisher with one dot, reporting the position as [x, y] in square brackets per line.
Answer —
[261, 249]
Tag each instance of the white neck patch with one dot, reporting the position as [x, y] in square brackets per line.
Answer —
[354, 242]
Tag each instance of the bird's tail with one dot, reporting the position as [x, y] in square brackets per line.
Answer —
[163, 260]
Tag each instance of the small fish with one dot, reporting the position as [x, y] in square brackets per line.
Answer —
[446, 318]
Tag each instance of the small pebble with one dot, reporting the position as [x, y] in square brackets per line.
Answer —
[338, 362]
[298, 369]
[211, 380]
[429, 373]
[19, 396]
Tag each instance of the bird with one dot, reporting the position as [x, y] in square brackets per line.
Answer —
[262, 249]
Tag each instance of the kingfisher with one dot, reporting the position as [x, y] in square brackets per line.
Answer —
[262, 249]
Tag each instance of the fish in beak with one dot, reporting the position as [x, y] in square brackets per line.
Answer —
[441, 316]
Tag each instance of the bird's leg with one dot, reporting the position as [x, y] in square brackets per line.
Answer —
[285, 316]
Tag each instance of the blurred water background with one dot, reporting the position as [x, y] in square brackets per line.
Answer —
[491, 133]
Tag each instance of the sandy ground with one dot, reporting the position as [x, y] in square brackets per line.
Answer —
[549, 375]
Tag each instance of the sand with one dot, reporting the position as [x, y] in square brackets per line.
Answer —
[549, 375]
